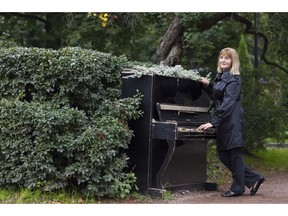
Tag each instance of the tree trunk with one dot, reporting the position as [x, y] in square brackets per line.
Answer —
[170, 49]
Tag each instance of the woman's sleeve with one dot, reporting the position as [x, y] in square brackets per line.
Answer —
[231, 96]
[209, 89]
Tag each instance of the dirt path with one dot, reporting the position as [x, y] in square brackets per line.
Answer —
[273, 191]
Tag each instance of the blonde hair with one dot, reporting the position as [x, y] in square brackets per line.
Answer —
[235, 63]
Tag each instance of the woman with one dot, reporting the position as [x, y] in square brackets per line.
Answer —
[228, 121]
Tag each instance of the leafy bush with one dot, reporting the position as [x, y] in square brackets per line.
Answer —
[62, 124]
[82, 78]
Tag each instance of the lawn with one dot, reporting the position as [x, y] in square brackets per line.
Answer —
[269, 159]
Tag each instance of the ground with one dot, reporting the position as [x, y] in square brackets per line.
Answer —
[273, 191]
[271, 199]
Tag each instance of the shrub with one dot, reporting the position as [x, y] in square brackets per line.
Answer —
[62, 122]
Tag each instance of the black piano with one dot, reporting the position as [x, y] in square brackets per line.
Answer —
[167, 151]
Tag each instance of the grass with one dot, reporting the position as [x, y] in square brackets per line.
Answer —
[272, 140]
[21, 196]
[26, 196]
[270, 159]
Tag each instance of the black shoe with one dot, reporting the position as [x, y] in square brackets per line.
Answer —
[230, 194]
[254, 190]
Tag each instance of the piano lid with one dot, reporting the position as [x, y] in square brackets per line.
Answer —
[183, 114]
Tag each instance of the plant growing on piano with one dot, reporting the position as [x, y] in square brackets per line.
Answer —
[124, 108]
[178, 72]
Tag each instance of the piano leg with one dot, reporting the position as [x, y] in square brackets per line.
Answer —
[167, 159]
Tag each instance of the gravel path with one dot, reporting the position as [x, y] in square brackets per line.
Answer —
[273, 191]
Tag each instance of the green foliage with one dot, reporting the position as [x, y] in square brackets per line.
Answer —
[123, 109]
[82, 78]
[121, 189]
[263, 113]
[62, 122]
[274, 25]
[33, 137]
[6, 41]
[201, 48]
[129, 28]
[284, 102]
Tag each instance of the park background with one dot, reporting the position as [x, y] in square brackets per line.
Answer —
[201, 48]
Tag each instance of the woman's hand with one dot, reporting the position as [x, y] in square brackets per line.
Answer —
[205, 126]
[204, 81]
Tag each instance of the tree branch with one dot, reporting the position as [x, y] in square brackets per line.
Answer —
[207, 23]
[249, 30]
[26, 16]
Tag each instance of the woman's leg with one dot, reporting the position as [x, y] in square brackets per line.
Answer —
[233, 160]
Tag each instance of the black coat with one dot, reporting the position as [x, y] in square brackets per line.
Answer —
[228, 114]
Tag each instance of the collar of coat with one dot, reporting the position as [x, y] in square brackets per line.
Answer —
[226, 77]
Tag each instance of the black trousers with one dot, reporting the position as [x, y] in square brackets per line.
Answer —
[242, 175]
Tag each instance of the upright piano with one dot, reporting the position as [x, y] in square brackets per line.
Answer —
[167, 151]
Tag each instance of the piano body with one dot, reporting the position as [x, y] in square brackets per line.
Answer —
[167, 151]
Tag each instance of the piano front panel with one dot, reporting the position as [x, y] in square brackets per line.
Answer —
[187, 165]
[155, 137]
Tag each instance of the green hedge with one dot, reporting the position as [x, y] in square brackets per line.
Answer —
[82, 78]
[62, 122]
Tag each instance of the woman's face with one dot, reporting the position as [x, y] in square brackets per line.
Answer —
[225, 62]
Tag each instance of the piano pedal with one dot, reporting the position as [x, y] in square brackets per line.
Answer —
[156, 192]
[183, 192]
